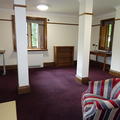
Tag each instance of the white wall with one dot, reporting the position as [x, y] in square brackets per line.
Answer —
[6, 41]
[65, 35]
[57, 35]
[95, 34]
[115, 62]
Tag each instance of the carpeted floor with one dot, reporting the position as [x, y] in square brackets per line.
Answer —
[55, 95]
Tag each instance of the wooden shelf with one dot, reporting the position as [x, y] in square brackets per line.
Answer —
[63, 55]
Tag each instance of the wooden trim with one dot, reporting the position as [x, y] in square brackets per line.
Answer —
[44, 42]
[100, 38]
[5, 20]
[85, 14]
[14, 33]
[114, 73]
[117, 19]
[95, 25]
[107, 19]
[35, 18]
[17, 5]
[24, 90]
[84, 80]
[9, 67]
[30, 37]
[49, 64]
[62, 23]
[44, 47]
[45, 33]
[36, 49]
[52, 64]
[63, 46]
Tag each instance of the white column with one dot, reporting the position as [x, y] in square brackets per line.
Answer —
[21, 42]
[115, 61]
[84, 37]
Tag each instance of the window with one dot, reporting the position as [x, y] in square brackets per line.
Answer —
[106, 34]
[36, 33]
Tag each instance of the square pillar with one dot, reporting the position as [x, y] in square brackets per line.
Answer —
[84, 38]
[21, 43]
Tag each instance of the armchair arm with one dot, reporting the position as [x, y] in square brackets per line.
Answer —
[90, 98]
[107, 104]
[94, 105]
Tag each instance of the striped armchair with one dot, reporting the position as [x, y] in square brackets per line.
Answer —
[101, 101]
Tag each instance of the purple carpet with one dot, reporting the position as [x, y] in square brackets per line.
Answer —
[55, 95]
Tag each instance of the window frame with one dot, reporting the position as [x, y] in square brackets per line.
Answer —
[45, 33]
[101, 24]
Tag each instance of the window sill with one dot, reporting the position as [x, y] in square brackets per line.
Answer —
[36, 49]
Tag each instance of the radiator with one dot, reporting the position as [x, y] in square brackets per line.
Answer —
[35, 60]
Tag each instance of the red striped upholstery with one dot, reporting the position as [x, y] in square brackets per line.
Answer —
[101, 101]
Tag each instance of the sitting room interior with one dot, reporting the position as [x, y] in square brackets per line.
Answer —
[53, 53]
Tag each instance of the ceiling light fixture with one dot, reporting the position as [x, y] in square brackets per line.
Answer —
[42, 7]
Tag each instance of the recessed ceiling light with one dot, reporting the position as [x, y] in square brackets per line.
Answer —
[42, 7]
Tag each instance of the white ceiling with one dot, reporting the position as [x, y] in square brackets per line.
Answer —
[66, 6]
